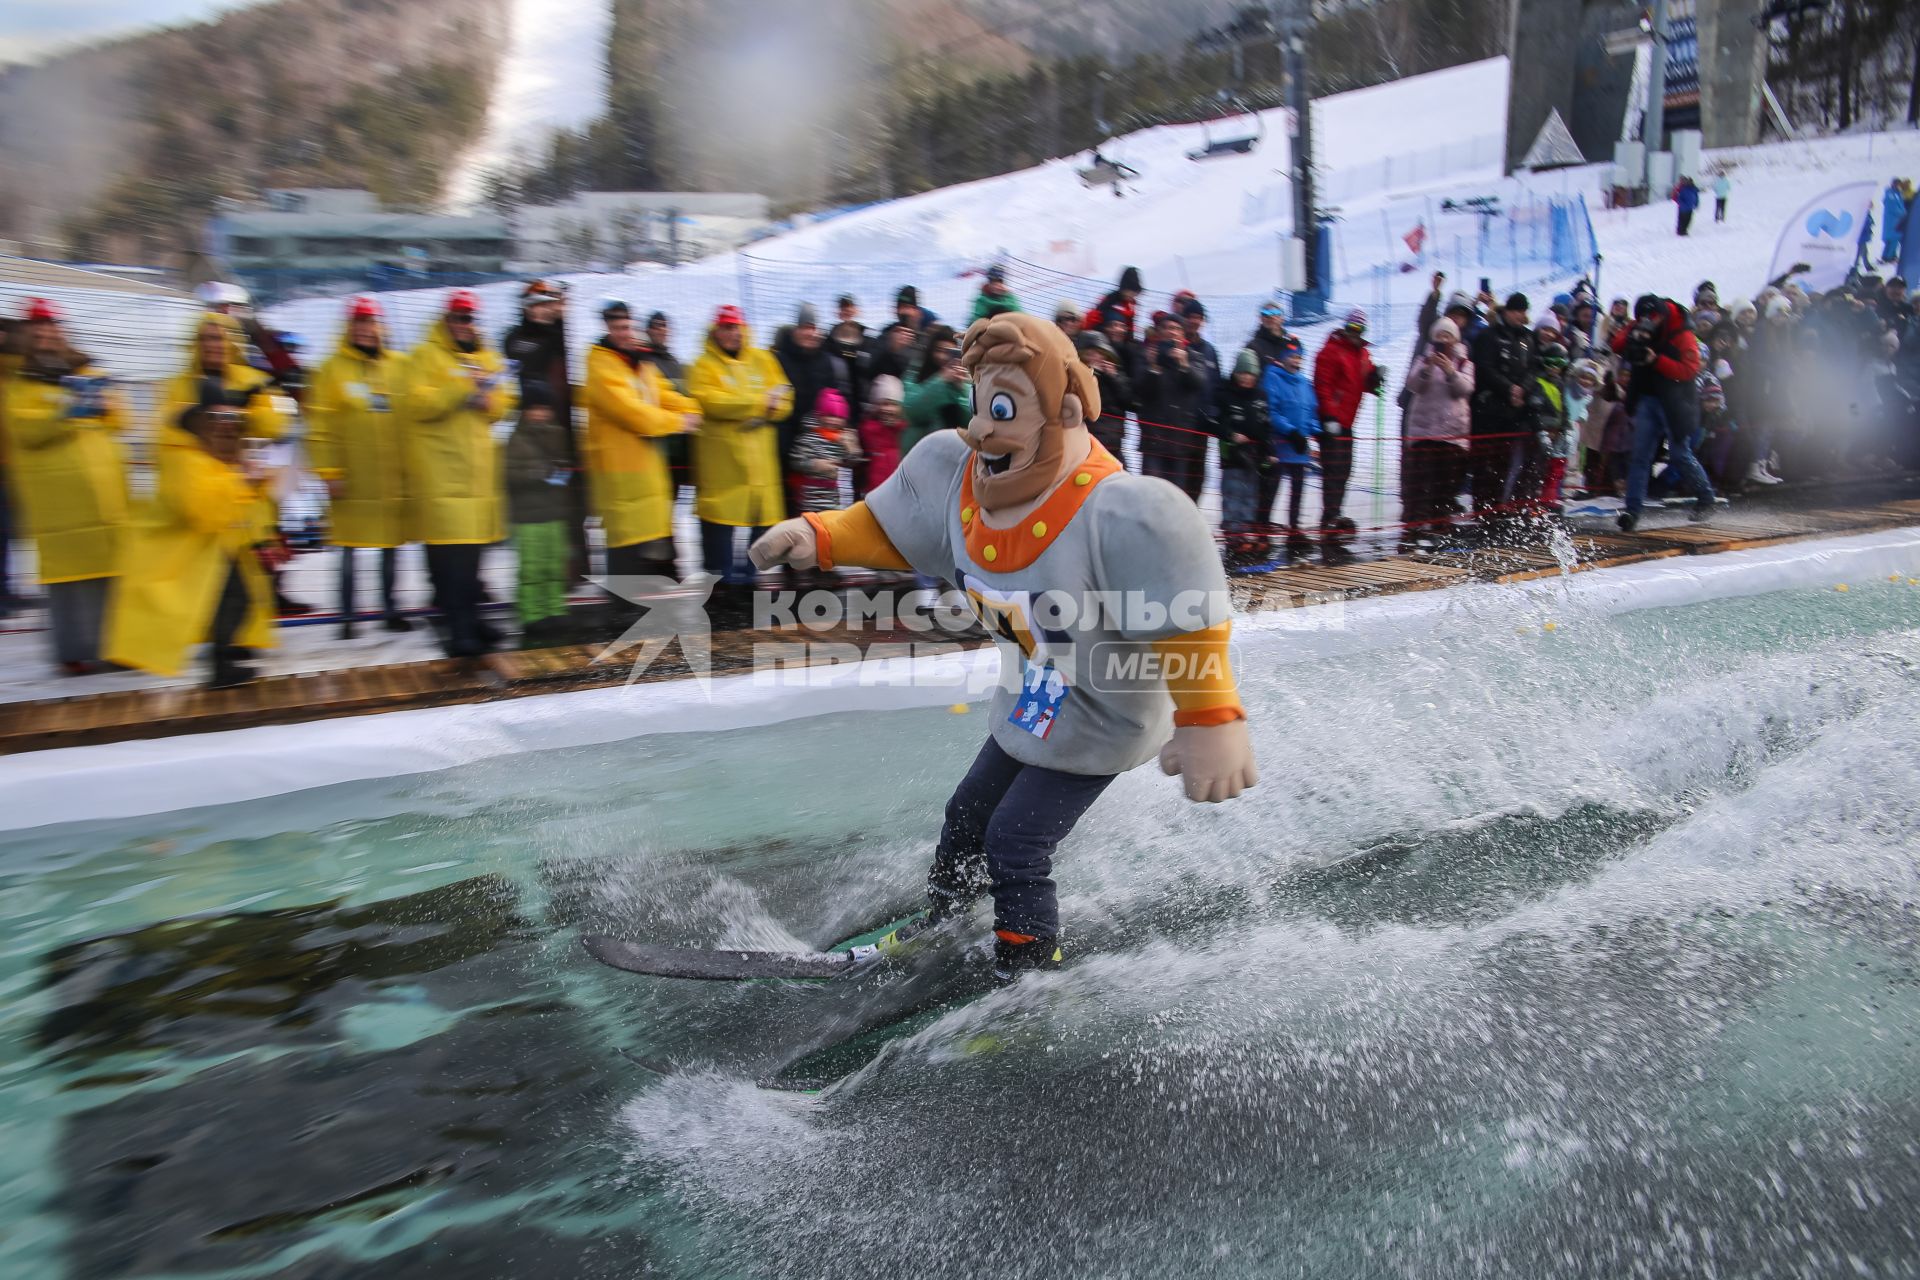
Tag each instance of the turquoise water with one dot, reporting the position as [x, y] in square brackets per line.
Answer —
[1581, 953]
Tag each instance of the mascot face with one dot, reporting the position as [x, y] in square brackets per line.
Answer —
[1029, 391]
[1007, 419]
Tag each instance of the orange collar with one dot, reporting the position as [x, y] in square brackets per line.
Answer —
[1005, 550]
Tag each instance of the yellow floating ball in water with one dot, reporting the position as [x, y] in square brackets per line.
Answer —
[1839, 586]
[959, 708]
[1893, 577]
[1549, 626]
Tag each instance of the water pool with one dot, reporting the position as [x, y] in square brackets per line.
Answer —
[1575, 952]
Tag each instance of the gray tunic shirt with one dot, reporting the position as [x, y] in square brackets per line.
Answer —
[1134, 563]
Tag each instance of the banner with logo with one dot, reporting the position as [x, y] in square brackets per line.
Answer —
[1825, 234]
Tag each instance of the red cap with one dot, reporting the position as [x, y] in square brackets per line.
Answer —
[364, 307]
[728, 314]
[463, 300]
[41, 309]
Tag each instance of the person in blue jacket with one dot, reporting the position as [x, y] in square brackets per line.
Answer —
[1893, 220]
[1687, 196]
[1295, 413]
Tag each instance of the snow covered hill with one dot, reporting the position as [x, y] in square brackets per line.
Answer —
[1389, 157]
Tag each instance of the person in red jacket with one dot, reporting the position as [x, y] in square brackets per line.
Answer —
[1662, 359]
[1118, 303]
[1343, 372]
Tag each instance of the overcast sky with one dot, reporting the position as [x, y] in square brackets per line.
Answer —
[31, 28]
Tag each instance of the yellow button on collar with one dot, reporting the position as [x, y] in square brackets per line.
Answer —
[966, 514]
[1039, 528]
[989, 554]
[1082, 478]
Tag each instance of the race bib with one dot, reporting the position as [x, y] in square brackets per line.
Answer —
[1043, 691]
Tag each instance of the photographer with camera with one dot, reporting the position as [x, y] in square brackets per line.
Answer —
[62, 422]
[1116, 389]
[939, 395]
[1502, 372]
[1176, 404]
[1662, 359]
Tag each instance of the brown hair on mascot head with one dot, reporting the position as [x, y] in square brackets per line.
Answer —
[1034, 365]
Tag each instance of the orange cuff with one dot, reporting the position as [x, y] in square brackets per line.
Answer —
[853, 537]
[1200, 677]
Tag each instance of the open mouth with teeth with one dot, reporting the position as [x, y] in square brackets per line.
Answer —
[995, 465]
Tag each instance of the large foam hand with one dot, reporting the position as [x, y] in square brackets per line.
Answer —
[1215, 761]
[789, 542]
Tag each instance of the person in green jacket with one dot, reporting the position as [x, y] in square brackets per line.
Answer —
[940, 394]
[995, 298]
[539, 467]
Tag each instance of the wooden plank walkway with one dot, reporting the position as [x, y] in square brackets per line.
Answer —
[159, 713]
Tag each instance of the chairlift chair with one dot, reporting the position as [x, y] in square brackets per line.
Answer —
[1238, 144]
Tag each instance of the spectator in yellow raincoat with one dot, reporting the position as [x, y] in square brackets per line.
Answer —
[68, 480]
[742, 393]
[631, 414]
[217, 364]
[456, 388]
[190, 570]
[355, 447]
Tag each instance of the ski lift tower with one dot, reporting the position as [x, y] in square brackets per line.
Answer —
[1296, 20]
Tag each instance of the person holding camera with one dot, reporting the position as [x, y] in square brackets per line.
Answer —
[1176, 411]
[1502, 371]
[191, 572]
[940, 394]
[1116, 389]
[63, 422]
[1662, 359]
[1437, 424]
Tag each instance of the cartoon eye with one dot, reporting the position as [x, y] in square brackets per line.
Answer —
[1001, 407]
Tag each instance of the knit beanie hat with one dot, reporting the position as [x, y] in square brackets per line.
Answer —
[1248, 361]
[886, 389]
[830, 404]
[1444, 333]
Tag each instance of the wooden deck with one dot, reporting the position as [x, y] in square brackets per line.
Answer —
[159, 713]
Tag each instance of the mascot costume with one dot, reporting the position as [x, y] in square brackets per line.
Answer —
[1105, 593]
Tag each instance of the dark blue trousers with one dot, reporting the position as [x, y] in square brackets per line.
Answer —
[1002, 825]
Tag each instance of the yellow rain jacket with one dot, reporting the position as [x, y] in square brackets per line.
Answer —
[68, 475]
[354, 437]
[629, 407]
[198, 522]
[737, 453]
[268, 414]
[454, 480]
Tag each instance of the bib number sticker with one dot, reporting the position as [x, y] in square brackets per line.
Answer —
[1043, 691]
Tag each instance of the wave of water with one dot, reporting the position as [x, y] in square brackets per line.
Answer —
[1582, 953]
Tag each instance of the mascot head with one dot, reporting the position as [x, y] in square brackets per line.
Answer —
[1029, 391]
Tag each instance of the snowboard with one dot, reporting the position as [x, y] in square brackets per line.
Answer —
[849, 956]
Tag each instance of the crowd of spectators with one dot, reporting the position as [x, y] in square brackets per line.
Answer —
[462, 443]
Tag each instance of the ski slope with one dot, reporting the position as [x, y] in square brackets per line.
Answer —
[1214, 227]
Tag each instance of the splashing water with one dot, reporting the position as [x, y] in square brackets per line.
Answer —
[1583, 953]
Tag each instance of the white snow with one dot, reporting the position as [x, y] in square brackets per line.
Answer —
[553, 76]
